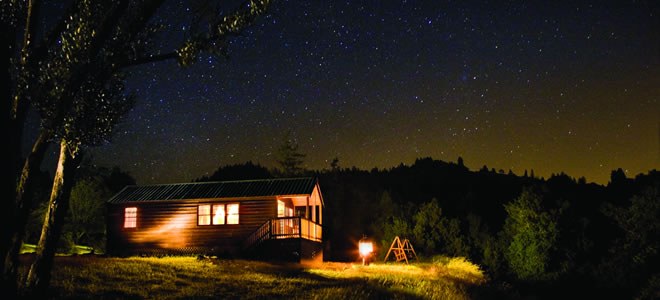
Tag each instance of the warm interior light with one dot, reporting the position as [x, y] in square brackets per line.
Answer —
[232, 213]
[130, 217]
[281, 209]
[204, 215]
[218, 214]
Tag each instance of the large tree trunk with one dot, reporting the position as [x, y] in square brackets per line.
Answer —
[24, 196]
[16, 112]
[39, 275]
[14, 150]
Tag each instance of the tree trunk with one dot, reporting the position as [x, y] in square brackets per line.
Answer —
[23, 205]
[16, 111]
[6, 34]
[39, 275]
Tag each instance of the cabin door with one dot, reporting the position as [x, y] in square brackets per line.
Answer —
[287, 226]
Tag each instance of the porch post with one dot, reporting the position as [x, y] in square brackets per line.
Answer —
[314, 210]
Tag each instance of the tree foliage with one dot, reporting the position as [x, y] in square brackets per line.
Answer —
[635, 254]
[74, 77]
[531, 232]
[243, 171]
[559, 223]
[289, 157]
[87, 213]
[437, 233]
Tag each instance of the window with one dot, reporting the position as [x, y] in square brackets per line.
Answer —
[232, 213]
[204, 214]
[281, 209]
[130, 217]
[217, 214]
[300, 211]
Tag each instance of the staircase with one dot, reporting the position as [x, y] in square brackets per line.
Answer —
[256, 238]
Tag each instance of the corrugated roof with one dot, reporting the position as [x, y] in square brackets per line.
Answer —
[212, 190]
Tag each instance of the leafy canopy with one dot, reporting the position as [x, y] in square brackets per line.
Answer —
[532, 232]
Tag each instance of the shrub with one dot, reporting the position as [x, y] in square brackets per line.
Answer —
[531, 234]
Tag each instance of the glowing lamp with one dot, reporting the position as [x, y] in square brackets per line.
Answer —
[366, 248]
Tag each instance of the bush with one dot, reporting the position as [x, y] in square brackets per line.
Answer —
[396, 227]
[86, 220]
[634, 256]
[531, 233]
[435, 233]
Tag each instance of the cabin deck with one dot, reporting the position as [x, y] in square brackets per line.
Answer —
[287, 238]
[284, 228]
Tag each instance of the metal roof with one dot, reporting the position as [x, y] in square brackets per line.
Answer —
[214, 190]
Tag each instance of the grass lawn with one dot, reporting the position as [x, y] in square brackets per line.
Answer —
[189, 277]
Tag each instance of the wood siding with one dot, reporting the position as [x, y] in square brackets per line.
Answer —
[171, 227]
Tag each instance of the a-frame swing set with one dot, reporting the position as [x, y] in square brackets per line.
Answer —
[402, 251]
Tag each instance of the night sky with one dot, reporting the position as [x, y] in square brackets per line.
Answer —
[571, 87]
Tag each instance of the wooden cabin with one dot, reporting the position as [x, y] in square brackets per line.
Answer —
[270, 218]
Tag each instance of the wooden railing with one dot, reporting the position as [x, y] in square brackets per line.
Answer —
[284, 228]
[258, 236]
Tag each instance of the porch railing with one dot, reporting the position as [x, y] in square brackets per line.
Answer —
[283, 228]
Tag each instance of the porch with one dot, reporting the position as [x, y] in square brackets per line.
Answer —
[285, 228]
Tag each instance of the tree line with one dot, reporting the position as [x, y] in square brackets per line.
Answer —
[559, 233]
[518, 228]
[550, 235]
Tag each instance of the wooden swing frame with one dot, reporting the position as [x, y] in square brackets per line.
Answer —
[402, 250]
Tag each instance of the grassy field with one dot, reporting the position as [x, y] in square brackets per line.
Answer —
[189, 277]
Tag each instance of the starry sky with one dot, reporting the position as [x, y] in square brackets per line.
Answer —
[553, 86]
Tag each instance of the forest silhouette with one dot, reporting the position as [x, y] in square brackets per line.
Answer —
[552, 237]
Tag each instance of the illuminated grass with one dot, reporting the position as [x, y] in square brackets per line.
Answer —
[427, 280]
[188, 277]
[28, 248]
[76, 250]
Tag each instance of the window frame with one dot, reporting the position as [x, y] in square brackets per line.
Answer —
[238, 213]
[134, 217]
[212, 213]
[224, 211]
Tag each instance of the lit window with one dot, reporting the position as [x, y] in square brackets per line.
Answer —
[130, 217]
[281, 209]
[221, 214]
[232, 213]
[218, 214]
[204, 215]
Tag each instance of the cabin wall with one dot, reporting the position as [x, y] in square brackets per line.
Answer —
[171, 227]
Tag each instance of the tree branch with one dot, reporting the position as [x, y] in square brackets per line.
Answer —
[30, 26]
